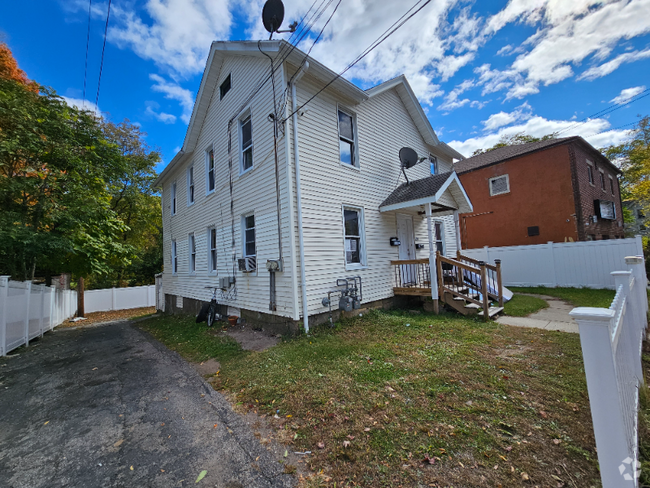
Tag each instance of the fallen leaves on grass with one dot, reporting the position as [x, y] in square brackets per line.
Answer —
[201, 475]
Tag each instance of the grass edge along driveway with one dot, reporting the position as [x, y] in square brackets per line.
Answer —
[396, 398]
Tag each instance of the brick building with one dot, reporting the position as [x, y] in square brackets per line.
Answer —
[555, 190]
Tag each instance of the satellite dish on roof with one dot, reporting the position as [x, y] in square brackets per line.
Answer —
[408, 157]
[273, 15]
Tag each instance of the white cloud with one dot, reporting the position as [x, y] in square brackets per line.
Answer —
[595, 131]
[627, 94]
[83, 105]
[177, 35]
[502, 119]
[174, 91]
[159, 116]
[612, 65]
[452, 100]
[568, 33]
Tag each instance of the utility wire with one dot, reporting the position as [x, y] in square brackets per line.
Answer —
[90, 2]
[101, 65]
[389, 32]
[608, 110]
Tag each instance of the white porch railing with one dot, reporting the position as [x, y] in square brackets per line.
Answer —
[611, 342]
[27, 311]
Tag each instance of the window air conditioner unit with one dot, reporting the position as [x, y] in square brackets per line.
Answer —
[247, 264]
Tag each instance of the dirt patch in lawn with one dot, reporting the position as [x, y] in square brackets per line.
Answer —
[208, 367]
[251, 339]
[110, 316]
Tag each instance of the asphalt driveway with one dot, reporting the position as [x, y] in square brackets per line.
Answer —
[109, 406]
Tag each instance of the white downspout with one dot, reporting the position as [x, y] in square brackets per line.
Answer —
[303, 282]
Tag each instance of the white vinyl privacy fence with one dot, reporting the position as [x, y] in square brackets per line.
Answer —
[611, 340]
[27, 311]
[573, 264]
[119, 298]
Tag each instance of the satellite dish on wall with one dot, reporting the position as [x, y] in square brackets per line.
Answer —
[408, 157]
[273, 15]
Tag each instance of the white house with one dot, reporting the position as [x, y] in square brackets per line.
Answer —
[324, 201]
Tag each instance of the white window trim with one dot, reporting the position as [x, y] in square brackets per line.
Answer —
[191, 237]
[362, 230]
[437, 165]
[207, 171]
[212, 270]
[174, 200]
[174, 257]
[246, 115]
[192, 183]
[507, 176]
[355, 133]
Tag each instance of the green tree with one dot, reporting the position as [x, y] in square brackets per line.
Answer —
[54, 167]
[515, 140]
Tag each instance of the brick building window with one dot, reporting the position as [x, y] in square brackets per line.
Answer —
[602, 180]
[590, 172]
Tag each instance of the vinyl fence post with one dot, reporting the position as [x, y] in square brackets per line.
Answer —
[52, 307]
[637, 265]
[42, 310]
[551, 252]
[113, 298]
[602, 386]
[4, 289]
[28, 288]
[487, 254]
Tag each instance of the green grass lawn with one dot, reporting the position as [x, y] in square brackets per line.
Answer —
[579, 297]
[523, 305]
[399, 399]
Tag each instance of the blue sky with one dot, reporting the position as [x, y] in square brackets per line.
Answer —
[481, 69]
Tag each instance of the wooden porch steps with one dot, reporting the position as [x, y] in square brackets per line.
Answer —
[492, 311]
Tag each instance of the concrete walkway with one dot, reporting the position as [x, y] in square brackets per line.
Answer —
[555, 317]
[108, 406]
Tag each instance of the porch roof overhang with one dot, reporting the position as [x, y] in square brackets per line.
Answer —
[444, 191]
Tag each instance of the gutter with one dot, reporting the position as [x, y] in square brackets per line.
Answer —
[296, 158]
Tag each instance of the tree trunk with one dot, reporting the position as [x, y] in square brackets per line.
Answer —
[80, 298]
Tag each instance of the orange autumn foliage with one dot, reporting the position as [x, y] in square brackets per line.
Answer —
[9, 69]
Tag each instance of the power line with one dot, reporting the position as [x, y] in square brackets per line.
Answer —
[612, 128]
[389, 32]
[90, 2]
[608, 110]
[101, 65]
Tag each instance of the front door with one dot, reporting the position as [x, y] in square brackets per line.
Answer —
[407, 248]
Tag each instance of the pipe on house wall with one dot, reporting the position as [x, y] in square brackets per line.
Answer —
[296, 157]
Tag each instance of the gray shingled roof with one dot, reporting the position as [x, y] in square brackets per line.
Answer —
[507, 152]
[426, 187]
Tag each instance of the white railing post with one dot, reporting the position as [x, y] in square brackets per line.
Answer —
[28, 290]
[4, 289]
[606, 410]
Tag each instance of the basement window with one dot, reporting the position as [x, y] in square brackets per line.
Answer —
[499, 185]
[225, 87]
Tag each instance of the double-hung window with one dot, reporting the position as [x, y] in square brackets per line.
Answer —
[174, 257]
[174, 198]
[590, 172]
[212, 249]
[192, 252]
[246, 132]
[248, 224]
[611, 184]
[190, 185]
[602, 181]
[347, 140]
[209, 171]
[440, 246]
[354, 238]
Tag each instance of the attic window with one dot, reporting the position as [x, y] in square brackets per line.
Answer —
[499, 185]
[225, 87]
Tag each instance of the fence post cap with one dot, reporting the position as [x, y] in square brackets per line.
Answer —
[593, 314]
[4, 278]
[633, 259]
